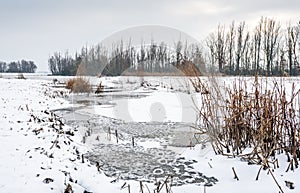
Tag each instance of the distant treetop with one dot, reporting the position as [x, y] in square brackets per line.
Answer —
[22, 66]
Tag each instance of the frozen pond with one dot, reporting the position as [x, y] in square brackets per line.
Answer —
[134, 147]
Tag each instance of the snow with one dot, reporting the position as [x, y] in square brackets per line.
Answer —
[221, 168]
[25, 160]
[161, 106]
[29, 156]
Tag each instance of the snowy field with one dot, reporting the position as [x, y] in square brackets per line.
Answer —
[41, 153]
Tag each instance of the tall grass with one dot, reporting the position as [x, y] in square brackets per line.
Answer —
[260, 119]
[79, 85]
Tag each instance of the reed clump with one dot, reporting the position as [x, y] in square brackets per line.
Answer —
[255, 124]
[79, 85]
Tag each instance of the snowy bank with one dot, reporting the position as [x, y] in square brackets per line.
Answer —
[38, 152]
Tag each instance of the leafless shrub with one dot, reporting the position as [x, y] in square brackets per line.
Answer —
[265, 121]
[100, 88]
[55, 81]
[79, 85]
[68, 189]
[21, 76]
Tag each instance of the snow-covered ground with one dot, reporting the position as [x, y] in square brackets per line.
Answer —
[40, 153]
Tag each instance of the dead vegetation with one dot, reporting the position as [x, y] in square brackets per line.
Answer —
[79, 85]
[163, 185]
[188, 68]
[99, 88]
[21, 76]
[255, 124]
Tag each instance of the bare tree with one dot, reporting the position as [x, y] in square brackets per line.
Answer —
[292, 39]
[247, 53]
[240, 46]
[210, 42]
[3, 66]
[230, 42]
[270, 42]
[298, 32]
[257, 45]
[221, 47]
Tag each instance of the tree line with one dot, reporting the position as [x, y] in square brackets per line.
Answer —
[22, 66]
[127, 59]
[268, 50]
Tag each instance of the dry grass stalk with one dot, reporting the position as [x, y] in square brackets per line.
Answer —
[79, 85]
[263, 120]
[167, 183]
[99, 89]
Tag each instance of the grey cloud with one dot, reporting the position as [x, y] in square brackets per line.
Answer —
[37, 28]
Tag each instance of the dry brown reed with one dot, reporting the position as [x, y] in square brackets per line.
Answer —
[254, 124]
[79, 85]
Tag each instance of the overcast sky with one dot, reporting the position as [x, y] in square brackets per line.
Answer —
[35, 29]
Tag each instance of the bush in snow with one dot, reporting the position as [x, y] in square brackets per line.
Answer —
[79, 85]
[20, 76]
